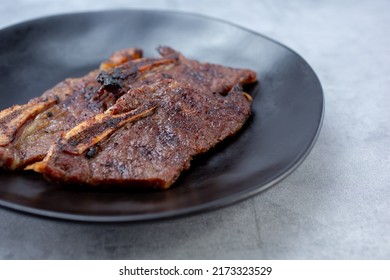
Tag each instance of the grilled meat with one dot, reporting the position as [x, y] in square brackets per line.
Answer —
[133, 122]
[27, 131]
[148, 137]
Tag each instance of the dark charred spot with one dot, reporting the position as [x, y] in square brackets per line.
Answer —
[73, 142]
[108, 81]
[91, 152]
[49, 114]
[56, 98]
[113, 81]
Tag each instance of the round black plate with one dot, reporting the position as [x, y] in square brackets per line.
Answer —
[287, 109]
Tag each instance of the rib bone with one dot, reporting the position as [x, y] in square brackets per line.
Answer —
[88, 133]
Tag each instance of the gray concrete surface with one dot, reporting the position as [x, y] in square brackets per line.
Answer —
[334, 206]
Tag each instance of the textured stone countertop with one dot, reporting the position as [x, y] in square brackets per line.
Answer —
[334, 206]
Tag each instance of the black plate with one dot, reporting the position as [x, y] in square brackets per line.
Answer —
[287, 109]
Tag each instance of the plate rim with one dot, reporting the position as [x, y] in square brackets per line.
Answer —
[187, 211]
